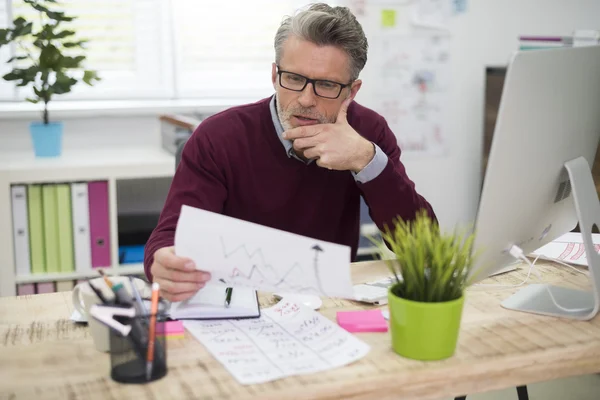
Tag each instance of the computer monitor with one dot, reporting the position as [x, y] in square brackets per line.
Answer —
[538, 183]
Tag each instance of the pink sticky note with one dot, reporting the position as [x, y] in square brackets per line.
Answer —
[170, 328]
[362, 321]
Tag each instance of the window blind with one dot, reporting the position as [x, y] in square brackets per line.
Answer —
[126, 46]
[162, 49]
[225, 48]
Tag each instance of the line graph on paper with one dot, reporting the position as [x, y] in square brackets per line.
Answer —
[254, 270]
[246, 254]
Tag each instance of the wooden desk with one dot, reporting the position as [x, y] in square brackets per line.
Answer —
[44, 355]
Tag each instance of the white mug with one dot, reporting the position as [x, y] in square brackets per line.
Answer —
[84, 298]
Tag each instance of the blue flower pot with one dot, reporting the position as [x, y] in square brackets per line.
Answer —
[47, 139]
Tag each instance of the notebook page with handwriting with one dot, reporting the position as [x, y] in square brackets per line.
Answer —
[288, 339]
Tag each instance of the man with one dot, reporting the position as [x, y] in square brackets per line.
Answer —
[298, 161]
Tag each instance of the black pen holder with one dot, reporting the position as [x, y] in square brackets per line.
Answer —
[128, 354]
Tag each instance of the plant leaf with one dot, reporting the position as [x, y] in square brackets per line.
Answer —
[16, 58]
[89, 77]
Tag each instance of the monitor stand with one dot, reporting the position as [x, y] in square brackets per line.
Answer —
[574, 304]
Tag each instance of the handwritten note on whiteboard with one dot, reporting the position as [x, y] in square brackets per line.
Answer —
[241, 253]
[288, 339]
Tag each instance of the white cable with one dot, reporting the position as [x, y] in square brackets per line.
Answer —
[558, 261]
[516, 252]
[498, 285]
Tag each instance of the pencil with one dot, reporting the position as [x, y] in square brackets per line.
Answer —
[152, 330]
[108, 282]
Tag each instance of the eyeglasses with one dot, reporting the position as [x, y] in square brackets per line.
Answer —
[321, 87]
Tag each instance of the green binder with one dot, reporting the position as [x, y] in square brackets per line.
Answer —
[65, 228]
[36, 229]
[50, 228]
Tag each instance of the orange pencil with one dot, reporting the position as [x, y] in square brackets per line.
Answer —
[108, 282]
[152, 330]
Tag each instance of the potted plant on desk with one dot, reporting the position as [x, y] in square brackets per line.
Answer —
[431, 272]
[48, 58]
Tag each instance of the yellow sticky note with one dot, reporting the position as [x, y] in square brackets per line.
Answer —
[388, 18]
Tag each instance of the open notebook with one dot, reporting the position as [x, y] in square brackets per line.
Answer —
[209, 303]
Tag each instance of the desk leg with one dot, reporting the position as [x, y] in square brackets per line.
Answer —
[522, 392]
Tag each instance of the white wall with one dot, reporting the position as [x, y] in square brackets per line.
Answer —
[483, 36]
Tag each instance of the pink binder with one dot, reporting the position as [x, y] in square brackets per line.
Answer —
[99, 224]
[45, 287]
[25, 289]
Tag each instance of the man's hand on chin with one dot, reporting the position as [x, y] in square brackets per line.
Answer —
[335, 146]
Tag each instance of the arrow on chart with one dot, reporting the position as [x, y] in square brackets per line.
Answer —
[317, 250]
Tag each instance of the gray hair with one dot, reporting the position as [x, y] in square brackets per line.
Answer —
[324, 25]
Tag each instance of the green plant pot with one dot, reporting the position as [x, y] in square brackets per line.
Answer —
[424, 331]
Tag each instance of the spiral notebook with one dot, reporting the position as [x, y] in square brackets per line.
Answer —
[209, 303]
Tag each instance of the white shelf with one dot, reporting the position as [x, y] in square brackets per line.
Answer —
[106, 164]
[74, 165]
[127, 269]
[93, 108]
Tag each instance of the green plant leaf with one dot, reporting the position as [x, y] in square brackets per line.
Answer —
[17, 58]
[429, 266]
[63, 34]
[4, 37]
[34, 101]
[39, 7]
[79, 43]
[19, 21]
[59, 16]
[71, 62]
[22, 30]
[89, 77]
[50, 57]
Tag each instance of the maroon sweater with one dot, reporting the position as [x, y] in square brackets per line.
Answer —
[235, 164]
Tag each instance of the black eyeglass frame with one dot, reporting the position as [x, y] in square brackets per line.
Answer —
[313, 81]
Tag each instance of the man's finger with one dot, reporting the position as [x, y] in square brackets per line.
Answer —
[177, 287]
[168, 258]
[177, 297]
[302, 132]
[305, 143]
[183, 276]
[313, 153]
[342, 117]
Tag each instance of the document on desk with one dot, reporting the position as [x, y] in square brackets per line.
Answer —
[288, 339]
[568, 248]
[241, 253]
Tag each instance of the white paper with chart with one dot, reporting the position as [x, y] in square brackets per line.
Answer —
[244, 254]
[288, 339]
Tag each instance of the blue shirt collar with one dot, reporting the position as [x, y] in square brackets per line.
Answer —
[287, 144]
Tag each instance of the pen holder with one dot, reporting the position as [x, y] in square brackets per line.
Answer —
[128, 354]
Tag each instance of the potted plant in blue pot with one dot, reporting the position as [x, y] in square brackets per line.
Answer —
[431, 272]
[48, 58]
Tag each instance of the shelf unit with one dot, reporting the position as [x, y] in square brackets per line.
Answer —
[73, 165]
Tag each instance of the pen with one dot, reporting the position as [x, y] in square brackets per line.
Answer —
[98, 293]
[152, 330]
[139, 305]
[228, 293]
